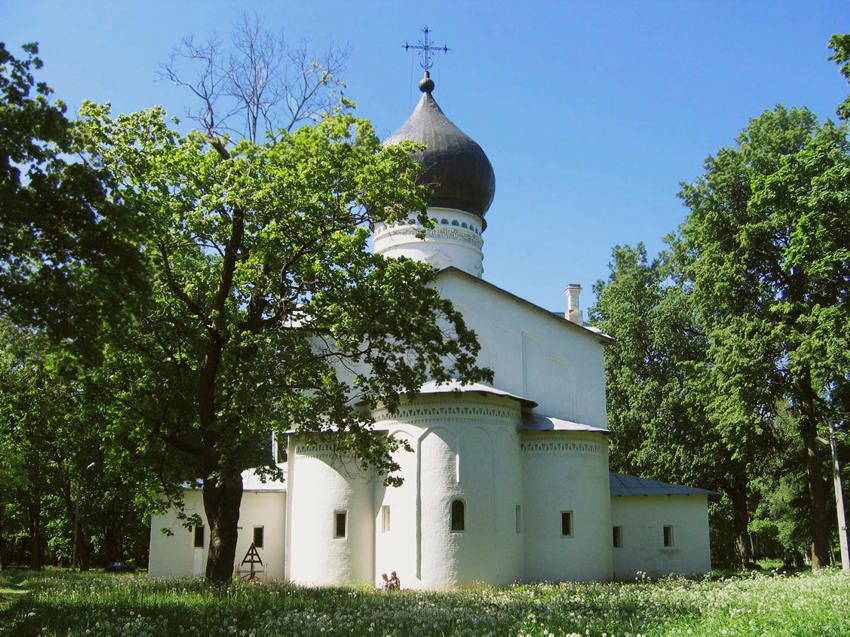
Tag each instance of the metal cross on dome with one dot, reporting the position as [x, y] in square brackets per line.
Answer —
[425, 48]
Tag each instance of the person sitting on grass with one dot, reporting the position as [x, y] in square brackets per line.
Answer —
[395, 583]
[385, 585]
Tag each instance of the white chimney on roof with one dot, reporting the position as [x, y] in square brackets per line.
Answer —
[573, 312]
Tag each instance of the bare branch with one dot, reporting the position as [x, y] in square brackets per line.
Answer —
[207, 87]
[258, 80]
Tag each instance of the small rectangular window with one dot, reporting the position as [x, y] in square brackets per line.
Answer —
[339, 523]
[567, 523]
[458, 514]
[668, 535]
[385, 518]
[618, 536]
[258, 537]
[199, 537]
[518, 519]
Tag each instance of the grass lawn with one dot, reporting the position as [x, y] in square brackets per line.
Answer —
[56, 602]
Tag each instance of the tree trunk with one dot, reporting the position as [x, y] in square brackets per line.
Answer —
[36, 544]
[85, 549]
[814, 474]
[112, 543]
[221, 505]
[740, 521]
[4, 545]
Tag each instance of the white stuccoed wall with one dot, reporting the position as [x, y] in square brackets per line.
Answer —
[320, 484]
[421, 547]
[455, 240]
[269, 511]
[643, 518]
[399, 548]
[566, 471]
[556, 363]
[175, 555]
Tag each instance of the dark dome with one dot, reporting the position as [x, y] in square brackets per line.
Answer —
[454, 164]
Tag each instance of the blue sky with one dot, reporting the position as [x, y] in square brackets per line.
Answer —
[591, 113]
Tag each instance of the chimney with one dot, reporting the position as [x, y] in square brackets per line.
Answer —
[573, 312]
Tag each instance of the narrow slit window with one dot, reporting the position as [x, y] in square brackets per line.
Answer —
[668, 535]
[618, 536]
[567, 523]
[518, 519]
[258, 537]
[458, 515]
[199, 537]
[385, 518]
[339, 523]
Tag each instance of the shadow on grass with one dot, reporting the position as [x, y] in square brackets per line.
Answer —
[66, 603]
[12, 585]
[121, 605]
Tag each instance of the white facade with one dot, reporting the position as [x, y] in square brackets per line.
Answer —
[183, 552]
[527, 459]
[644, 544]
[504, 483]
[454, 241]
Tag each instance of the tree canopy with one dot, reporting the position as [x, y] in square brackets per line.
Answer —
[64, 247]
[732, 347]
[224, 293]
[268, 311]
[756, 211]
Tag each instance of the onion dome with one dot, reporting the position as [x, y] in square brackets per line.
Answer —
[453, 163]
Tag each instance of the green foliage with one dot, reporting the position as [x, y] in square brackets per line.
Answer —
[57, 466]
[70, 272]
[732, 350]
[198, 299]
[764, 247]
[259, 258]
[768, 311]
[660, 385]
[655, 369]
[64, 249]
[771, 604]
[841, 45]
[267, 310]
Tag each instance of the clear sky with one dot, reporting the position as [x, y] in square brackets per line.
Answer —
[591, 113]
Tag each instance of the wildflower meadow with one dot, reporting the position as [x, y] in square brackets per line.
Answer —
[57, 602]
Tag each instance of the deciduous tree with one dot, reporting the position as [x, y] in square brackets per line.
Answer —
[660, 387]
[65, 251]
[753, 215]
[268, 310]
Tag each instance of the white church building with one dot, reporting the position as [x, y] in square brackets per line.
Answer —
[505, 483]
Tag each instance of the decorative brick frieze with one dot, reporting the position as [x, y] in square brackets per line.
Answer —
[562, 448]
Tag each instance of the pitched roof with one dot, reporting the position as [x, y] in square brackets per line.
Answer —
[585, 327]
[622, 484]
[455, 386]
[251, 481]
[540, 422]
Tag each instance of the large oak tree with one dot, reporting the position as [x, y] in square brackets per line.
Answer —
[268, 311]
[770, 290]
